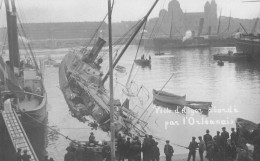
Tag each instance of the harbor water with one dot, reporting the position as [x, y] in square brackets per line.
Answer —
[233, 89]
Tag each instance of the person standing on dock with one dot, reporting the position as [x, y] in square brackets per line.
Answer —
[46, 158]
[202, 148]
[51, 159]
[18, 155]
[156, 152]
[168, 151]
[92, 138]
[217, 139]
[192, 147]
[25, 156]
[127, 148]
[106, 152]
[233, 136]
[145, 148]
[207, 137]
[224, 135]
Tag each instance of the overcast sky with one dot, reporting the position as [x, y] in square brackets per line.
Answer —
[124, 10]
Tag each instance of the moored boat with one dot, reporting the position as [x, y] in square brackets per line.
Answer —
[24, 83]
[248, 44]
[159, 53]
[143, 62]
[170, 98]
[220, 63]
[230, 56]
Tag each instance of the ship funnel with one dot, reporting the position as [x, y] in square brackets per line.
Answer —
[92, 54]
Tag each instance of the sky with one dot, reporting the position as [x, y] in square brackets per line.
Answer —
[124, 10]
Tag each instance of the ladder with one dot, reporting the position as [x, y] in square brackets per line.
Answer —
[16, 131]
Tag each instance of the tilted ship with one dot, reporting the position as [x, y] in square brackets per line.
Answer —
[82, 84]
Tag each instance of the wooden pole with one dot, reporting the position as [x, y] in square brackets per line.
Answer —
[112, 128]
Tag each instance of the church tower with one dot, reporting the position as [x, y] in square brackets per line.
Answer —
[210, 17]
[213, 15]
[207, 17]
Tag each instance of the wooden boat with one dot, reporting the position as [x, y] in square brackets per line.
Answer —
[159, 53]
[248, 44]
[199, 105]
[220, 63]
[169, 98]
[120, 69]
[143, 62]
[26, 77]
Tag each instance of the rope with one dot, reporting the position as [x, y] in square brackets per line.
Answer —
[66, 137]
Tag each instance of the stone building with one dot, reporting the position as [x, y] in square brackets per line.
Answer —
[174, 22]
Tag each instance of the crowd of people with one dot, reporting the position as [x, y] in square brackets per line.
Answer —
[221, 147]
[132, 149]
[218, 148]
[26, 157]
[226, 147]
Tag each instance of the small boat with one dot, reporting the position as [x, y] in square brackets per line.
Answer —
[199, 105]
[230, 56]
[169, 98]
[143, 62]
[159, 53]
[120, 69]
[220, 63]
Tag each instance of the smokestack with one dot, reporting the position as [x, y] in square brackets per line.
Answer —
[209, 32]
[92, 55]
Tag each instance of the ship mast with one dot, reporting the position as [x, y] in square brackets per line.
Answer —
[219, 22]
[14, 56]
[171, 25]
[112, 128]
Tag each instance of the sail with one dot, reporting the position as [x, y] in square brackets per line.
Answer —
[92, 55]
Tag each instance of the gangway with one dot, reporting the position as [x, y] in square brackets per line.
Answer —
[16, 131]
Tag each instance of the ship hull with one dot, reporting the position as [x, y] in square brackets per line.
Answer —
[198, 42]
[250, 47]
[34, 118]
[85, 109]
[221, 42]
[167, 43]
